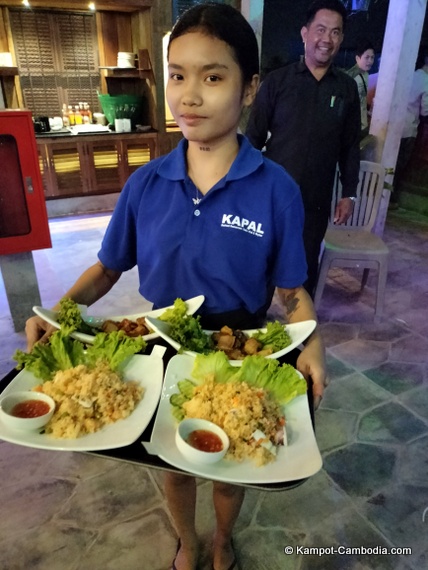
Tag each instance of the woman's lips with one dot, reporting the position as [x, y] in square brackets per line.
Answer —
[191, 119]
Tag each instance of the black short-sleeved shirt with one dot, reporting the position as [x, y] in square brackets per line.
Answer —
[308, 126]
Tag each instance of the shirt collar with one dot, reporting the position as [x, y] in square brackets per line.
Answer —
[248, 160]
[303, 68]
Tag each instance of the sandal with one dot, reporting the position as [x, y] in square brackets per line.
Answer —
[173, 567]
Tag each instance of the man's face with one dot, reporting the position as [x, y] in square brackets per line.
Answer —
[365, 61]
[322, 38]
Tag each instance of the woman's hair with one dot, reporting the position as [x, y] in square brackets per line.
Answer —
[225, 23]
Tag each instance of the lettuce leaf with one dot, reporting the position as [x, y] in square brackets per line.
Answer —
[186, 329]
[176, 313]
[215, 363]
[62, 352]
[283, 381]
[275, 337]
[114, 347]
[70, 317]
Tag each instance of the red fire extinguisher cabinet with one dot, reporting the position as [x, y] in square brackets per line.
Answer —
[23, 217]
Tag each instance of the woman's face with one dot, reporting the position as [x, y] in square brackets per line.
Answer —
[366, 60]
[204, 90]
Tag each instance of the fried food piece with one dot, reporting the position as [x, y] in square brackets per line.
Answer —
[252, 346]
[130, 328]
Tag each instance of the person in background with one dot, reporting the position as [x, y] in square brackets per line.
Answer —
[190, 221]
[417, 108]
[307, 116]
[364, 58]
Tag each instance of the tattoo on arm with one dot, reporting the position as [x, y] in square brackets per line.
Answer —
[291, 302]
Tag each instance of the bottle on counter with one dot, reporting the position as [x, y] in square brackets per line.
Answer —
[65, 116]
[71, 116]
[88, 112]
[78, 119]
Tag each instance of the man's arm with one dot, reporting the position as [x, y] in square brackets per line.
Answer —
[349, 157]
[298, 307]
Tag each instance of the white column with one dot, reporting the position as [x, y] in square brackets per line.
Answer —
[399, 52]
[252, 10]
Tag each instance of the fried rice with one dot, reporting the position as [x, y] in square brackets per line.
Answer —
[242, 411]
[88, 399]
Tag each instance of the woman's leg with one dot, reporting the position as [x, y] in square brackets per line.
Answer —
[227, 504]
[180, 492]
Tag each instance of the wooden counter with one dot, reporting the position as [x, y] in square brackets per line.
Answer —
[90, 164]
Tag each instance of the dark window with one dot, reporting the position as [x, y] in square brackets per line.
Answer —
[57, 59]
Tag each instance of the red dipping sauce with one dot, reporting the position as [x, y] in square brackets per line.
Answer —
[30, 409]
[205, 440]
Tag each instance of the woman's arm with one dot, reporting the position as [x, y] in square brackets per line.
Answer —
[298, 307]
[93, 284]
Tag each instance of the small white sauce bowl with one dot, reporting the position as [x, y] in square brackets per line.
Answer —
[8, 402]
[186, 427]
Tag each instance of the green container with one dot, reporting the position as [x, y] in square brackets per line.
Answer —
[124, 107]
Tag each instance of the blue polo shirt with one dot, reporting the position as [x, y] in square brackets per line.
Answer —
[243, 237]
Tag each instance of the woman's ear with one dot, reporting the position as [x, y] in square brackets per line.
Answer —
[250, 91]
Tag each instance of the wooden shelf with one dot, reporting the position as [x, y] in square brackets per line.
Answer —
[121, 72]
[8, 71]
[144, 70]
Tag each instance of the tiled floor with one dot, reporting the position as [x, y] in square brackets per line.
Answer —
[71, 511]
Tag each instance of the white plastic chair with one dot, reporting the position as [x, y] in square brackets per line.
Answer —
[354, 244]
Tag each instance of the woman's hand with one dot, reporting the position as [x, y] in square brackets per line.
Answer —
[37, 330]
[311, 363]
[93, 284]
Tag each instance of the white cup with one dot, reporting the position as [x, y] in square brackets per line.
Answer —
[56, 123]
[126, 125]
[118, 125]
[100, 119]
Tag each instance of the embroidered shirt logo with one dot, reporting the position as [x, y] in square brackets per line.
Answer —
[231, 221]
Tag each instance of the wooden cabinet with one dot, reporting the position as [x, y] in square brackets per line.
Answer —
[89, 164]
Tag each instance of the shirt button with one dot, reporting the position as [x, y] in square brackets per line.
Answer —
[197, 213]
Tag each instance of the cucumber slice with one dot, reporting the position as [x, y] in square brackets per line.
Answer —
[177, 400]
[186, 387]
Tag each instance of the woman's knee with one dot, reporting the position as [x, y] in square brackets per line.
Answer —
[179, 480]
[227, 489]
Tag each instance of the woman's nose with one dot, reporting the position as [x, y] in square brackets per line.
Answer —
[191, 95]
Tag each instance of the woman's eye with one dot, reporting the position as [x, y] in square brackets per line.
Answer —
[213, 78]
[175, 76]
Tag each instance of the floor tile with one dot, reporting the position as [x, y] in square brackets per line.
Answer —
[397, 377]
[390, 423]
[361, 470]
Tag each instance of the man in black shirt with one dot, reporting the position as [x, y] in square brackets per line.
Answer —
[307, 116]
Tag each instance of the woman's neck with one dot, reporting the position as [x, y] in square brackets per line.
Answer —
[207, 164]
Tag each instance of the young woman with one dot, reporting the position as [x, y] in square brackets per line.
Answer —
[213, 217]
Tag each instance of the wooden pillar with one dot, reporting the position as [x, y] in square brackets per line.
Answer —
[399, 52]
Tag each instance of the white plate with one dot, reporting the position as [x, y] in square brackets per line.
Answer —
[51, 317]
[147, 370]
[297, 331]
[299, 459]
